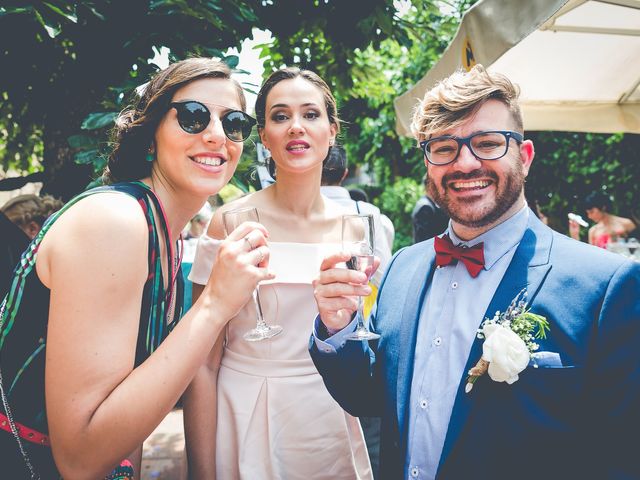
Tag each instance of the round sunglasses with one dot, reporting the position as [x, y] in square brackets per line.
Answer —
[193, 118]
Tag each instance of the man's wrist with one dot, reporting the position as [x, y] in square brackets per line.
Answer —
[332, 331]
[325, 332]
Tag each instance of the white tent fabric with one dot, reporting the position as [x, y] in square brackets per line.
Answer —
[577, 62]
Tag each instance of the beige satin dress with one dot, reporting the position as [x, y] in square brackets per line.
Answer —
[276, 419]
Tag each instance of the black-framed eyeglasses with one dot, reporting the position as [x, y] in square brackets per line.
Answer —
[489, 145]
[193, 118]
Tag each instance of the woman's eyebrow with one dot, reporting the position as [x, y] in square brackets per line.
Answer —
[284, 105]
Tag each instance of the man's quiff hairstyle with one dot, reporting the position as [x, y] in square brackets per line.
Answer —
[453, 100]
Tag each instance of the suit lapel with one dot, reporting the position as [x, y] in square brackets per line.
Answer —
[528, 268]
[408, 330]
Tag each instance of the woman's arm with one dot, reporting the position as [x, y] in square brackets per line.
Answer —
[99, 408]
[574, 229]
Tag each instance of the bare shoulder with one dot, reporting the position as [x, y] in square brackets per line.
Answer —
[106, 215]
[628, 224]
[104, 227]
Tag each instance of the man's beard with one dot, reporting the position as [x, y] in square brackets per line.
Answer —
[506, 196]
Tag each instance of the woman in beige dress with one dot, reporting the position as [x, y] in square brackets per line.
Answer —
[262, 406]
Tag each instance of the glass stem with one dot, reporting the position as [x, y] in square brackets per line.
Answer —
[261, 324]
[360, 314]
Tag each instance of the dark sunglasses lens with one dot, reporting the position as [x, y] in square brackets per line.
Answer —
[237, 126]
[193, 117]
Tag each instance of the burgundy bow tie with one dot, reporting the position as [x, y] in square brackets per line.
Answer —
[447, 253]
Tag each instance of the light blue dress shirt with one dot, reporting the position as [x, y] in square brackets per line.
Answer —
[454, 307]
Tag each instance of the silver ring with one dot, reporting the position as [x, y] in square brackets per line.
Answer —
[246, 239]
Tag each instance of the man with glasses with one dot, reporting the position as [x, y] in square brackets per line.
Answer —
[563, 410]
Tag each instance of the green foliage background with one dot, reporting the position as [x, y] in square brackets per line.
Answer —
[569, 166]
[69, 67]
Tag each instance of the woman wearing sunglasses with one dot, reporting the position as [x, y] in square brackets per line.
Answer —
[92, 318]
[264, 409]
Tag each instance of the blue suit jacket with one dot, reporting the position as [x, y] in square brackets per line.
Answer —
[574, 421]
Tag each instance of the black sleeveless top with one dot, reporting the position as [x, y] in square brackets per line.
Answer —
[23, 332]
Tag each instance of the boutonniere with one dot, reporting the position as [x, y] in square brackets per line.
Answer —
[509, 341]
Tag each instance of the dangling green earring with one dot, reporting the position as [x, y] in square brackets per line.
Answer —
[151, 154]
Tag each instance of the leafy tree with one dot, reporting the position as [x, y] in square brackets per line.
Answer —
[74, 64]
[69, 67]
[63, 60]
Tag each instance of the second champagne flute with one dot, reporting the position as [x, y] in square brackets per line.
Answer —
[232, 219]
[358, 241]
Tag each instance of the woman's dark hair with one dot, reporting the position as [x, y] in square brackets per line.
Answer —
[334, 166]
[135, 127]
[358, 195]
[291, 73]
[598, 200]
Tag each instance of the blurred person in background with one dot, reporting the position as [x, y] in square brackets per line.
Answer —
[21, 219]
[608, 227]
[13, 241]
[427, 217]
[29, 212]
[197, 225]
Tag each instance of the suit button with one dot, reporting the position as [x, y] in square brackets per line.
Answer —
[415, 472]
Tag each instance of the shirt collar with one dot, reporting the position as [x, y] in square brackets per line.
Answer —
[500, 239]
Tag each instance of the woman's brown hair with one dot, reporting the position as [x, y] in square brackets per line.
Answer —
[136, 126]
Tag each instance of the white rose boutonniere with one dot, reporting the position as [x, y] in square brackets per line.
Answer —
[509, 341]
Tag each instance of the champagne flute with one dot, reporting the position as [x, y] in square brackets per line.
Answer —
[358, 241]
[232, 219]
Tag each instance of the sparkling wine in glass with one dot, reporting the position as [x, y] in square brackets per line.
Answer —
[358, 241]
[232, 219]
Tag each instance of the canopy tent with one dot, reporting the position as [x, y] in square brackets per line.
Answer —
[577, 62]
